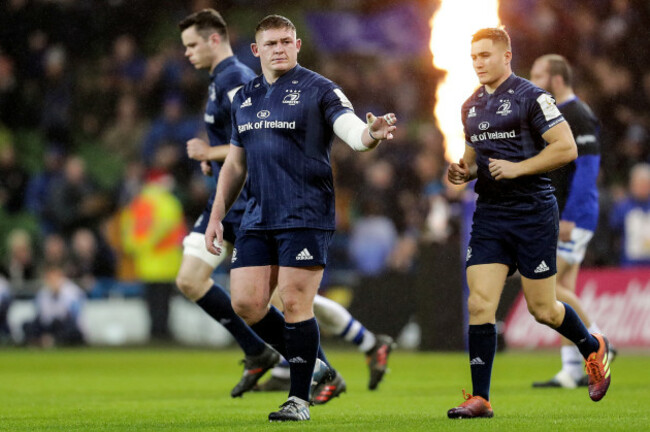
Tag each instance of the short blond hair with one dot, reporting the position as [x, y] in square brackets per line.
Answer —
[495, 34]
[272, 22]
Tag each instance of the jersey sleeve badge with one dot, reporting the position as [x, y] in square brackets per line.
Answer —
[344, 100]
[549, 109]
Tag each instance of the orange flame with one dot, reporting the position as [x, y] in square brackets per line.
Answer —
[452, 27]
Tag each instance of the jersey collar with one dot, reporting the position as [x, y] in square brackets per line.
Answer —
[223, 64]
[508, 84]
[284, 77]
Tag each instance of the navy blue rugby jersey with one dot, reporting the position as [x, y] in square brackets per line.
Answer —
[575, 183]
[229, 75]
[286, 130]
[508, 124]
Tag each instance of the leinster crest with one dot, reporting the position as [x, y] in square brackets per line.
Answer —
[504, 108]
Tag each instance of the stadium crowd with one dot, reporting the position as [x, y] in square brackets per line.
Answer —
[97, 101]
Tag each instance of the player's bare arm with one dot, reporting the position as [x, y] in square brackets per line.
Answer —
[200, 150]
[362, 136]
[231, 181]
[465, 169]
[561, 150]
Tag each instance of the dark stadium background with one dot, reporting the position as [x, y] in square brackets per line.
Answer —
[67, 66]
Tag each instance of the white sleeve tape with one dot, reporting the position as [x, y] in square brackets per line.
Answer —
[350, 128]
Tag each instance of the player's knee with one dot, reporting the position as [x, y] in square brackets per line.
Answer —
[250, 310]
[189, 286]
[544, 315]
[478, 305]
[291, 306]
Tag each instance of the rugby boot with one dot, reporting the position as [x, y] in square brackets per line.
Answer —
[613, 353]
[254, 368]
[292, 410]
[274, 384]
[473, 407]
[597, 367]
[562, 379]
[329, 388]
[377, 359]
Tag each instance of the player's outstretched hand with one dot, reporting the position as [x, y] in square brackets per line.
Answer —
[197, 149]
[381, 127]
[503, 169]
[214, 237]
[458, 173]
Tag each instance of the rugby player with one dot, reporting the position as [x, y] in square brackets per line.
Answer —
[283, 126]
[576, 192]
[514, 134]
[205, 37]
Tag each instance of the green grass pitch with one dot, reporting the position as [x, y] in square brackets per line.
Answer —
[135, 389]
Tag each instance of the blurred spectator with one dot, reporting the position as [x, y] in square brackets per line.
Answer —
[373, 239]
[21, 266]
[56, 114]
[5, 302]
[617, 29]
[74, 201]
[40, 186]
[128, 66]
[9, 93]
[55, 250]
[402, 87]
[153, 228]
[630, 218]
[58, 309]
[125, 134]
[430, 173]
[132, 182]
[171, 130]
[13, 181]
[91, 259]
[381, 185]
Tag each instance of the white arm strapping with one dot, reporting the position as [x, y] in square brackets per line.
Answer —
[350, 128]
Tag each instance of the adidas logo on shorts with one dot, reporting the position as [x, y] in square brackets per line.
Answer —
[234, 256]
[304, 255]
[542, 267]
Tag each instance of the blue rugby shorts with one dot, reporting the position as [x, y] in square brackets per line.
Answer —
[522, 240]
[298, 247]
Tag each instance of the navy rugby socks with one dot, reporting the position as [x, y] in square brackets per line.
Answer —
[303, 343]
[321, 355]
[574, 329]
[271, 329]
[482, 348]
[216, 302]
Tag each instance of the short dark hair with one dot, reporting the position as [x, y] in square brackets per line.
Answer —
[274, 22]
[207, 21]
[558, 65]
[495, 34]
